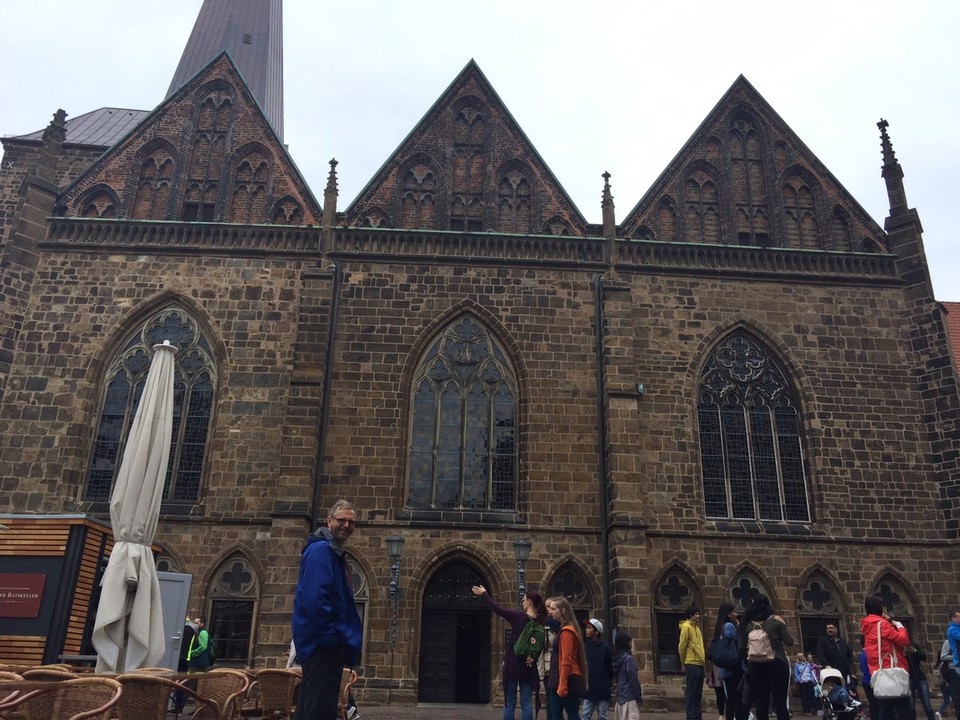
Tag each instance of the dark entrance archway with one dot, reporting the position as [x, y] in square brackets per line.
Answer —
[454, 638]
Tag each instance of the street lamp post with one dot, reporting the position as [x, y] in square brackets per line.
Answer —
[521, 549]
[394, 548]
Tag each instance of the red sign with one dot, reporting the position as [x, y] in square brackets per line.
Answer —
[20, 594]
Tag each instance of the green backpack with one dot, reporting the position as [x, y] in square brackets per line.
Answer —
[531, 641]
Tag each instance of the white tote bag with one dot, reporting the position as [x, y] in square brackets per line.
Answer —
[889, 682]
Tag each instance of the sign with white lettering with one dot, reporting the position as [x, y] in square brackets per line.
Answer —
[20, 594]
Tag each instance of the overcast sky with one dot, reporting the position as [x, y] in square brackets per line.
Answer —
[616, 86]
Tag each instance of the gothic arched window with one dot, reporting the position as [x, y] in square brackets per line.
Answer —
[463, 444]
[819, 603]
[193, 396]
[751, 448]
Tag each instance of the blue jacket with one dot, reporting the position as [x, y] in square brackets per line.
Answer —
[953, 635]
[324, 613]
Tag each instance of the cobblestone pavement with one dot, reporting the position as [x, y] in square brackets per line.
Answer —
[468, 712]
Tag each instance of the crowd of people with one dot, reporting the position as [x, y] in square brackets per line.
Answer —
[748, 662]
[751, 673]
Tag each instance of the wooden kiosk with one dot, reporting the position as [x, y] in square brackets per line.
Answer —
[50, 570]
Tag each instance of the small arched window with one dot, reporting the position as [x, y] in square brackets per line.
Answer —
[751, 448]
[234, 594]
[193, 397]
[674, 593]
[463, 445]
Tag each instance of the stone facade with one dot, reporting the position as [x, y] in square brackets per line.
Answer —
[318, 331]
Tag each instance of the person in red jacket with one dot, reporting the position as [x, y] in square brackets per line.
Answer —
[894, 639]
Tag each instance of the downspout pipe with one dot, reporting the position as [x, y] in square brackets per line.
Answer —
[316, 510]
[329, 219]
[602, 451]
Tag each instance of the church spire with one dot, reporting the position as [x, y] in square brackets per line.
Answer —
[892, 173]
[251, 31]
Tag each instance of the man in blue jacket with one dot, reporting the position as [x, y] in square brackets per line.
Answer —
[953, 671]
[327, 631]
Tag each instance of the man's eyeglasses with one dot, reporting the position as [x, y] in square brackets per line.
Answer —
[344, 521]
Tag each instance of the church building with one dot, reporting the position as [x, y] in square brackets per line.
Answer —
[737, 383]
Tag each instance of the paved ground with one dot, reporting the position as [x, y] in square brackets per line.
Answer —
[467, 712]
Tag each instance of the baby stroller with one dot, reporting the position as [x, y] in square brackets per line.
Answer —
[837, 703]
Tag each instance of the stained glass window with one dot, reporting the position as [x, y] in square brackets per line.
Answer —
[463, 450]
[193, 396]
[751, 447]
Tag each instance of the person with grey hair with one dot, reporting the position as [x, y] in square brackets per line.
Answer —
[327, 631]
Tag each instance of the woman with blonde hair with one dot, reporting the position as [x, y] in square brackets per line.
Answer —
[567, 679]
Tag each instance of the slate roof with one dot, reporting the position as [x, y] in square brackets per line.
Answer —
[100, 128]
[251, 31]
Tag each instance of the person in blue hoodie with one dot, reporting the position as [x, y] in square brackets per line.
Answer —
[953, 671]
[327, 632]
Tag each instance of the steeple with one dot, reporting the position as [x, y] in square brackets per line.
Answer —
[251, 31]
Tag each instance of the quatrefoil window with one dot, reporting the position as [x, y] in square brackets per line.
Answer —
[235, 578]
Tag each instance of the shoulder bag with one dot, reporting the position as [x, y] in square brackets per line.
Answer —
[889, 682]
[724, 653]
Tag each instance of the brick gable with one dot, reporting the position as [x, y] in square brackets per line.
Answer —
[745, 178]
[207, 153]
[467, 166]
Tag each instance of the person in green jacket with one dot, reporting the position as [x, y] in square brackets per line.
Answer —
[692, 658]
[198, 654]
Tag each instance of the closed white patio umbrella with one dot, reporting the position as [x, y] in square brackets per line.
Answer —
[128, 633]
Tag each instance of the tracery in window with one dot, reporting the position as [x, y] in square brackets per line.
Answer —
[467, 173]
[100, 206]
[748, 185]
[702, 208]
[463, 450]
[751, 448]
[799, 214]
[208, 156]
[193, 396]
[896, 600]
[819, 605]
[514, 202]
[154, 186]
[744, 588]
[570, 583]
[418, 206]
[250, 189]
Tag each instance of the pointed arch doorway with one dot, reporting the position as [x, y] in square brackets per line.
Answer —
[454, 638]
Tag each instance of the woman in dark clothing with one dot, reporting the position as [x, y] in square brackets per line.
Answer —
[767, 678]
[518, 675]
[726, 627]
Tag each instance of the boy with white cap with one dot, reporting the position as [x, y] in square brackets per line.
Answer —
[599, 670]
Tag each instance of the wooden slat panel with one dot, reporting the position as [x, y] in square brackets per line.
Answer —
[24, 649]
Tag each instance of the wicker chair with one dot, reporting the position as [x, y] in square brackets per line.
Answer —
[227, 688]
[347, 680]
[6, 694]
[146, 696]
[45, 674]
[250, 706]
[87, 698]
[277, 692]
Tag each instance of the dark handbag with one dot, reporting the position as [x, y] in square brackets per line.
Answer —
[576, 687]
[724, 653]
